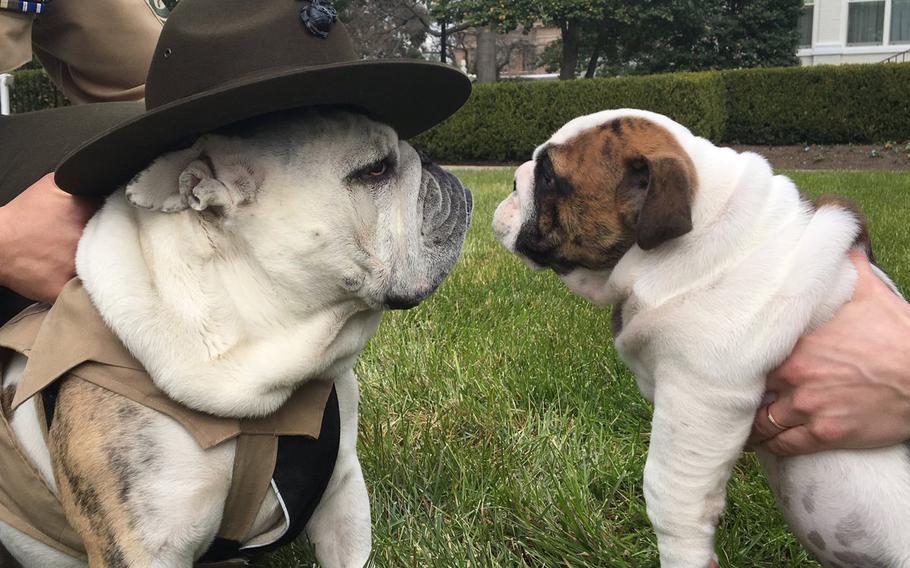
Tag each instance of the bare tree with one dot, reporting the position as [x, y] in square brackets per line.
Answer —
[514, 50]
[486, 56]
[385, 28]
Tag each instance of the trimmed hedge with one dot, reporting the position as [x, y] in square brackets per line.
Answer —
[825, 104]
[32, 90]
[819, 105]
[506, 121]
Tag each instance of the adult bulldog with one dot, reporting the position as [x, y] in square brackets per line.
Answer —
[191, 397]
[714, 267]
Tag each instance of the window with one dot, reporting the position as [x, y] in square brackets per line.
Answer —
[866, 22]
[900, 21]
[805, 24]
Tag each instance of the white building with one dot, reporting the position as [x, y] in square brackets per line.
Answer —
[854, 31]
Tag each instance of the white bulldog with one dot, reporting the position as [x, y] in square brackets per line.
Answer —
[714, 267]
[235, 271]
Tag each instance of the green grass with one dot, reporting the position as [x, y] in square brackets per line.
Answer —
[499, 428]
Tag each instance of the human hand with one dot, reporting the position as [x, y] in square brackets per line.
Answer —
[39, 231]
[847, 383]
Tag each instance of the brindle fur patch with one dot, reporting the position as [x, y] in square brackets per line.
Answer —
[589, 194]
[92, 431]
[6, 400]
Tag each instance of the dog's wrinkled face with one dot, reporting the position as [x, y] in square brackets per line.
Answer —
[329, 202]
[595, 190]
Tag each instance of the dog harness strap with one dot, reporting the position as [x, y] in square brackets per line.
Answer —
[254, 463]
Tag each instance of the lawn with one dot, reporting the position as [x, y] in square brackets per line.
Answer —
[499, 428]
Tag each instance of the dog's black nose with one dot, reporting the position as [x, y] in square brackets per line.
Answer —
[401, 302]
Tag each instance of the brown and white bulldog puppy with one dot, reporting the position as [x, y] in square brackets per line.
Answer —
[714, 267]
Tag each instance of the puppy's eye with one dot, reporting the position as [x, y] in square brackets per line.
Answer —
[638, 164]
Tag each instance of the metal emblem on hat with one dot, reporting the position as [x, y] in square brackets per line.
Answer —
[318, 17]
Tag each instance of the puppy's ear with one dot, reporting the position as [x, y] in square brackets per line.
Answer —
[205, 177]
[666, 212]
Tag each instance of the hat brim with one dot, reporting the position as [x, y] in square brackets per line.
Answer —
[33, 142]
[410, 96]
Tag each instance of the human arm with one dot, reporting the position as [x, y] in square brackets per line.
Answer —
[847, 383]
[39, 231]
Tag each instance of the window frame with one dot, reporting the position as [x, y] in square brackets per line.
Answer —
[889, 18]
[808, 4]
[886, 24]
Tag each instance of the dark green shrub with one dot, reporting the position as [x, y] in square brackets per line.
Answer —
[824, 104]
[32, 90]
[506, 121]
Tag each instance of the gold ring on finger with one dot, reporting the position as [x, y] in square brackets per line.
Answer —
[775, 422]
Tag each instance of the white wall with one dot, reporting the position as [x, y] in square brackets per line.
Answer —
[829, 38]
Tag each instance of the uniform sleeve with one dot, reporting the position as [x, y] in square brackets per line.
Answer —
[99, 50]
[15, 40]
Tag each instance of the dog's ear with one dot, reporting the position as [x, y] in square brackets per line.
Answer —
[204, 177]
[206, 186]
[666, 212]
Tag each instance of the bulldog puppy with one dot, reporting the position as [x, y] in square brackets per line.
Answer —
[714, 267]
[234, 271]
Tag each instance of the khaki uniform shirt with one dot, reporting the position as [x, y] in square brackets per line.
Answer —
[94, 50]
[70, 340]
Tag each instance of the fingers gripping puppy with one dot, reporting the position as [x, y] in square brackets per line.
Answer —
[715, 267]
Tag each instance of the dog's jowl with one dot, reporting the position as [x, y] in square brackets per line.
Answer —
[714, 267]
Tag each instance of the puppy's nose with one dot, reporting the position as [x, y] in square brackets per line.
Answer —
[524, 174]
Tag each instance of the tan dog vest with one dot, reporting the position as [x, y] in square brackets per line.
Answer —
[69, 339]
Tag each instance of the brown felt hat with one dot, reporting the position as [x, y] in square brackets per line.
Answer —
[222, 61]
[32, 143]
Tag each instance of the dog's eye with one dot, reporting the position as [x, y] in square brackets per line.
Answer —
[378, 169]
[544, 178]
